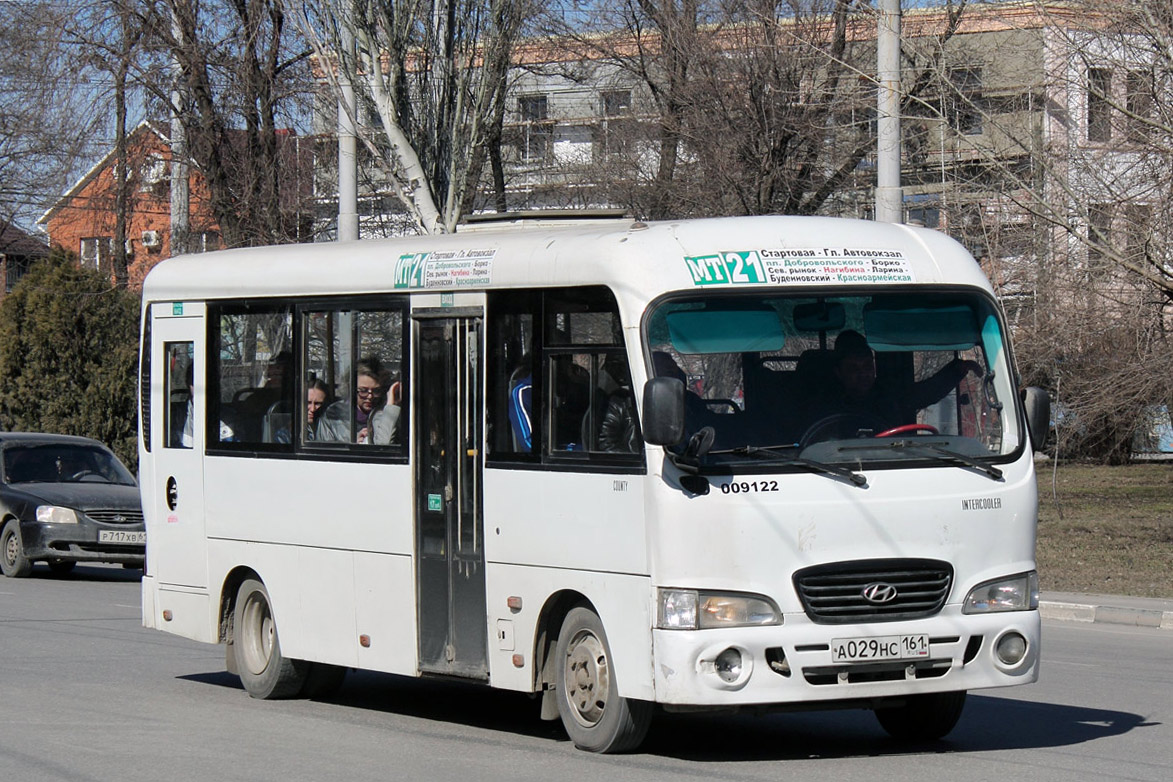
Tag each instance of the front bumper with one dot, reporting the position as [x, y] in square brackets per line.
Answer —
[79, 542]
[791, 663]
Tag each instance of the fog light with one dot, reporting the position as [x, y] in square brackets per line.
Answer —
[728, 665]
[1011, 649]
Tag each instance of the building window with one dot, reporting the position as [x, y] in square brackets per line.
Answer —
[1138, 229]
[537, 133]
[1099, 104]
[1099, 236]
[616, 103]
[616, 129]
[209, 241]
[963, 105]
[153, 176]
[96, 252]
[928, 216]
[1138, 101]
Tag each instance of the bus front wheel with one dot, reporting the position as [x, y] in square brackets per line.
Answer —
[923, 717]
[596, 718]
[263, 671]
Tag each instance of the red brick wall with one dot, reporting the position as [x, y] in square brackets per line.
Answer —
[90, 212]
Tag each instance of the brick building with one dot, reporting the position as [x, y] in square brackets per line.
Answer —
[83, 219]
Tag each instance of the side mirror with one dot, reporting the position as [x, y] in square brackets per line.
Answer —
[663, 420]
[1037, 403]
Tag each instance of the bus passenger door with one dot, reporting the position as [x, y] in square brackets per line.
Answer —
[450, 555]
[176, 551]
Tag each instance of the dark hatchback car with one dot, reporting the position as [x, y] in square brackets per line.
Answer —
[65, 500]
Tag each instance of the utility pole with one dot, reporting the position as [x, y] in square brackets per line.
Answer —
[347, 141]
[180, 189]
[889, 194]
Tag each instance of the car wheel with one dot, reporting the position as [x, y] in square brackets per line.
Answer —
[924, 717]
[61, 567]
[13, 562]
[263, 670]
[596, 718]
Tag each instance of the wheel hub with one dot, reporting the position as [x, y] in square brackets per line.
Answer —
[587, 678]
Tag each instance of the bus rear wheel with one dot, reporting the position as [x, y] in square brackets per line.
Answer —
[923, 717]
[596, 718]
[263, 671]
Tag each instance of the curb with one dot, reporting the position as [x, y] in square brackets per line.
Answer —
[1108, 614]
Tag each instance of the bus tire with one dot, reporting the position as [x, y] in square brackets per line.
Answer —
[924, 717]
[596, 718]
[13, 562]
[263, 670]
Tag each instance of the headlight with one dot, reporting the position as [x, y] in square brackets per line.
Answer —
[55, 514]
[1017, 593]
[689, 609]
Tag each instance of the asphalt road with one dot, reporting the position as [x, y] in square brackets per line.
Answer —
[87, 694]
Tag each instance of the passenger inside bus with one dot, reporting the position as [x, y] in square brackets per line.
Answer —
[615, 418]
[375, 416]
[280, 422]
[857, 402]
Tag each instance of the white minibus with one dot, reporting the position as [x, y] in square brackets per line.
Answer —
[753, 462]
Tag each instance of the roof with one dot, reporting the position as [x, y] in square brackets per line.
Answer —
[45, 438]
[16, 241]
[638, 260]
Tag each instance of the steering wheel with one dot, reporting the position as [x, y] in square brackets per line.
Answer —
[77, 476]
[909, 429]
[834, 425]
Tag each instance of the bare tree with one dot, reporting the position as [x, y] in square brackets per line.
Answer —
[48, 120]
[245, 76]
[433, 75]
[759, 106]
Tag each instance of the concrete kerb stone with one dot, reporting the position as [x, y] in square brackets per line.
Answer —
[1126, 611]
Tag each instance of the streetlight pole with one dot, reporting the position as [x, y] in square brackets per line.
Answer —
[889, 194]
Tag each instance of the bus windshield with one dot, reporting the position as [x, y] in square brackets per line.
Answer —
[891, 379]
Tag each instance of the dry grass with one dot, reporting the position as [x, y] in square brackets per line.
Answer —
[1106, 530]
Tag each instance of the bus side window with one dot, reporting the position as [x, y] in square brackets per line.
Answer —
[177, 432]
[559, 387]
[353, 365]
[514, 423]
[251, 375]
[571, 402]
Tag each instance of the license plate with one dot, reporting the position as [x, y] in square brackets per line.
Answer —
[121, 536]
[879, 648]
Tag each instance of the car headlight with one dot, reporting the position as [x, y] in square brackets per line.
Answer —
[1017, 593]
[55, 514]
[690, 609]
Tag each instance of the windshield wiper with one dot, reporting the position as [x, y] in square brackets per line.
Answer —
[944, 453]
[769, 453]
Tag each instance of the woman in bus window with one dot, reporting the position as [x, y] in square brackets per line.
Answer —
[375, 420]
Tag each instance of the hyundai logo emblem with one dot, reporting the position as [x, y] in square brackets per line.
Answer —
[879, 593]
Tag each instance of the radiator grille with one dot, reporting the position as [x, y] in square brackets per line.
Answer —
[834, 593]
[116, 516]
